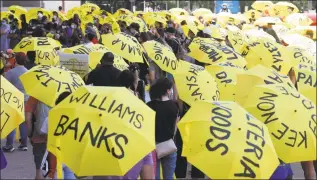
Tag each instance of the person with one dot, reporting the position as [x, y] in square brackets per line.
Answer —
[13, 77]
[269, 29]
[4, 32]
[56, 20]
[76, 35]
[24, 26]
[105, 74]
[91, 35]
[60, 9]
[175, 44]
[252, 19]
[30, 63]
[66, 31]
[35, 116]
[165, 123]
[225, 8]
[10, 61]
[38, 32]
[14, 36]
[140, 87]
[76, 20]
[144, 168]
[52, 161]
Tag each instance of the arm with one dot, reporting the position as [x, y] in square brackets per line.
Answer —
[308, 169]
[147, 172]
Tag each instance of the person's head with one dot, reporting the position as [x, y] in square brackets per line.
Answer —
[135, 69]
[4, 21]
[158, 25]
[11, 17]
[73, 25]
[127, 79]
[224, 6]
[134, 28]
[10, 53]
[39, 15]
[144, 36]
[60, 8]
[253, 14]
[61, 97]
[76, 16]
[191, 35]
[20, 58]
[107, 59]
[106, 28]
[31, 56]
[290, 9]
[38, 32]
[90, 33]
[96, 21]
[170, 32]
[45, 20]
[162, 87]
[183, 23]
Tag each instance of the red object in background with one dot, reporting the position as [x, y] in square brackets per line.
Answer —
[312, 16]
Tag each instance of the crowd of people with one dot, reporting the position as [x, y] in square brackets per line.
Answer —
[162, 96]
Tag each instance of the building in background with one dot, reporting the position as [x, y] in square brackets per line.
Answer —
[51, 5]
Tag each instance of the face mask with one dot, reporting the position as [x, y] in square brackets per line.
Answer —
[103, 16]
[54, 17]
[3, 22]
[40, 15]
[73, 26]
[170, 25]
[63, 27]
[95, 21]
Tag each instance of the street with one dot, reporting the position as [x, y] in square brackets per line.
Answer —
[21, 165]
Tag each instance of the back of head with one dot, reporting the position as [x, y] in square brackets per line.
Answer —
[107, 59]
[126, 79]
[38, 32]
[31, 56]
[135, 26]
[160, 88]
[60, 8]
[20, 58]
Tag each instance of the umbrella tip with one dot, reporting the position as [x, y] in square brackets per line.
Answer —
[100, 114]
[239, 129]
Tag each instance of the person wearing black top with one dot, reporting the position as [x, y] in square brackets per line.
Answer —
[105, 74]
[165, 123]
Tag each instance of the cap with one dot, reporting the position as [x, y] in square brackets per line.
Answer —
[171, 30]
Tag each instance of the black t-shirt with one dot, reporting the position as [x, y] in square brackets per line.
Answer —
[106, 75]
[165, 119]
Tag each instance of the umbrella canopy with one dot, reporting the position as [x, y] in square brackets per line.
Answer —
[195, 83]
[209, 53]
[95, 57]
[17, 10]
[238, 40]
[262, 5]
[300, 55]
[201, 11]
[225, 75]
[12, 107]
[129, 19]
[98, 125]
[45, 49]
[298, 19]
[283, 8]
[303, 30]
[306, 79]
[162, 55]
[298, 40]
[125, 45]
[295, 121]
[178, 11]
[273, 55]
[32, 13]
[264, 21]
[44, 80]
[151, 18]
[217, 139]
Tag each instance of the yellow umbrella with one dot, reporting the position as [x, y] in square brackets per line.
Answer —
[32, 13]
[209, 17]
[210, 53]
[249, 14]
[298, 40]
[189, 28]
[12, 107]
[162, 55]
[6, 14]
[201, 11]
[303, 30]
[89, 6]
[261, 5]
[190, 20]
[269, 54]
[291, 127]
[298, 19]
[258, 75]
[72, 11]
[167, 15]
[264, 21]
[195, 83]
[46, 83]
[61, 16]
[125, 45]
[225, 75]
[178, 11]
[306, 79]
[301, 55]
[112, 21]
[84, 49]
[18, 10]
[255, 34]
[122, 11]
[101, 124]
[282, 8]
[95, 57]
[238, 40]
[237, 144]
[44, 47]
[150, 18]
[129, 19]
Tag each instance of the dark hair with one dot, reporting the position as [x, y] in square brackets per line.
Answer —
[60, 8]
[23, 18]
[11, 17]
[31, 56]
[90, 36]
[38, 32]
[144, 36]
[20, 58]
[107, 58]
[63, 40]
[201, 34]
[61, 97]
[126, 79]
[134, 67]
[183, 23]
[135, 26]
[159, 88]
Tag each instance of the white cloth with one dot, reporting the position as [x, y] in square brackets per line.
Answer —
[44, 128]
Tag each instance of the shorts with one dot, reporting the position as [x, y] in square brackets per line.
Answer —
[39, 150]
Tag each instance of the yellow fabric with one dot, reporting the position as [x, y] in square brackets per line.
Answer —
[273, 55]
[201, 11]
[298, 19]
[222, 131]
[238, 40]
[267, 103]
[151, 18]
[124, 45]
[32, 13]
[112, 21]
[12, 107]
[178, 11]
[306, 80]
[162, 55]
[129, 19]
[194, 83]
[261, 5]
[119, 122]
[206, 52]
[282, 8]
[300, 55]
[95, 57]
[225, 75]
[44, 47]
[18, 10]
[46, 83]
